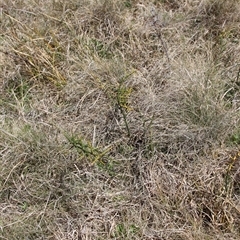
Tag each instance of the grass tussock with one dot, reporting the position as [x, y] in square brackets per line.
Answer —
[119, 119]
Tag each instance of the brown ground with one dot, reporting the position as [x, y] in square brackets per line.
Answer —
[120, 119]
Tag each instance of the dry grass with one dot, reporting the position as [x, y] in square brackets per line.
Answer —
[120, 119]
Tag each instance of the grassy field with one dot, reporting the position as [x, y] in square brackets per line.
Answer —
[120, 119]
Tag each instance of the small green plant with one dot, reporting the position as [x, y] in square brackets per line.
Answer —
[87, 150]
[122, 96]
[128, 4]
[235, 138]
[133, 229]
[20, 88]
[17, 96]
[123, 231]
[100, 48]
[119, 94]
